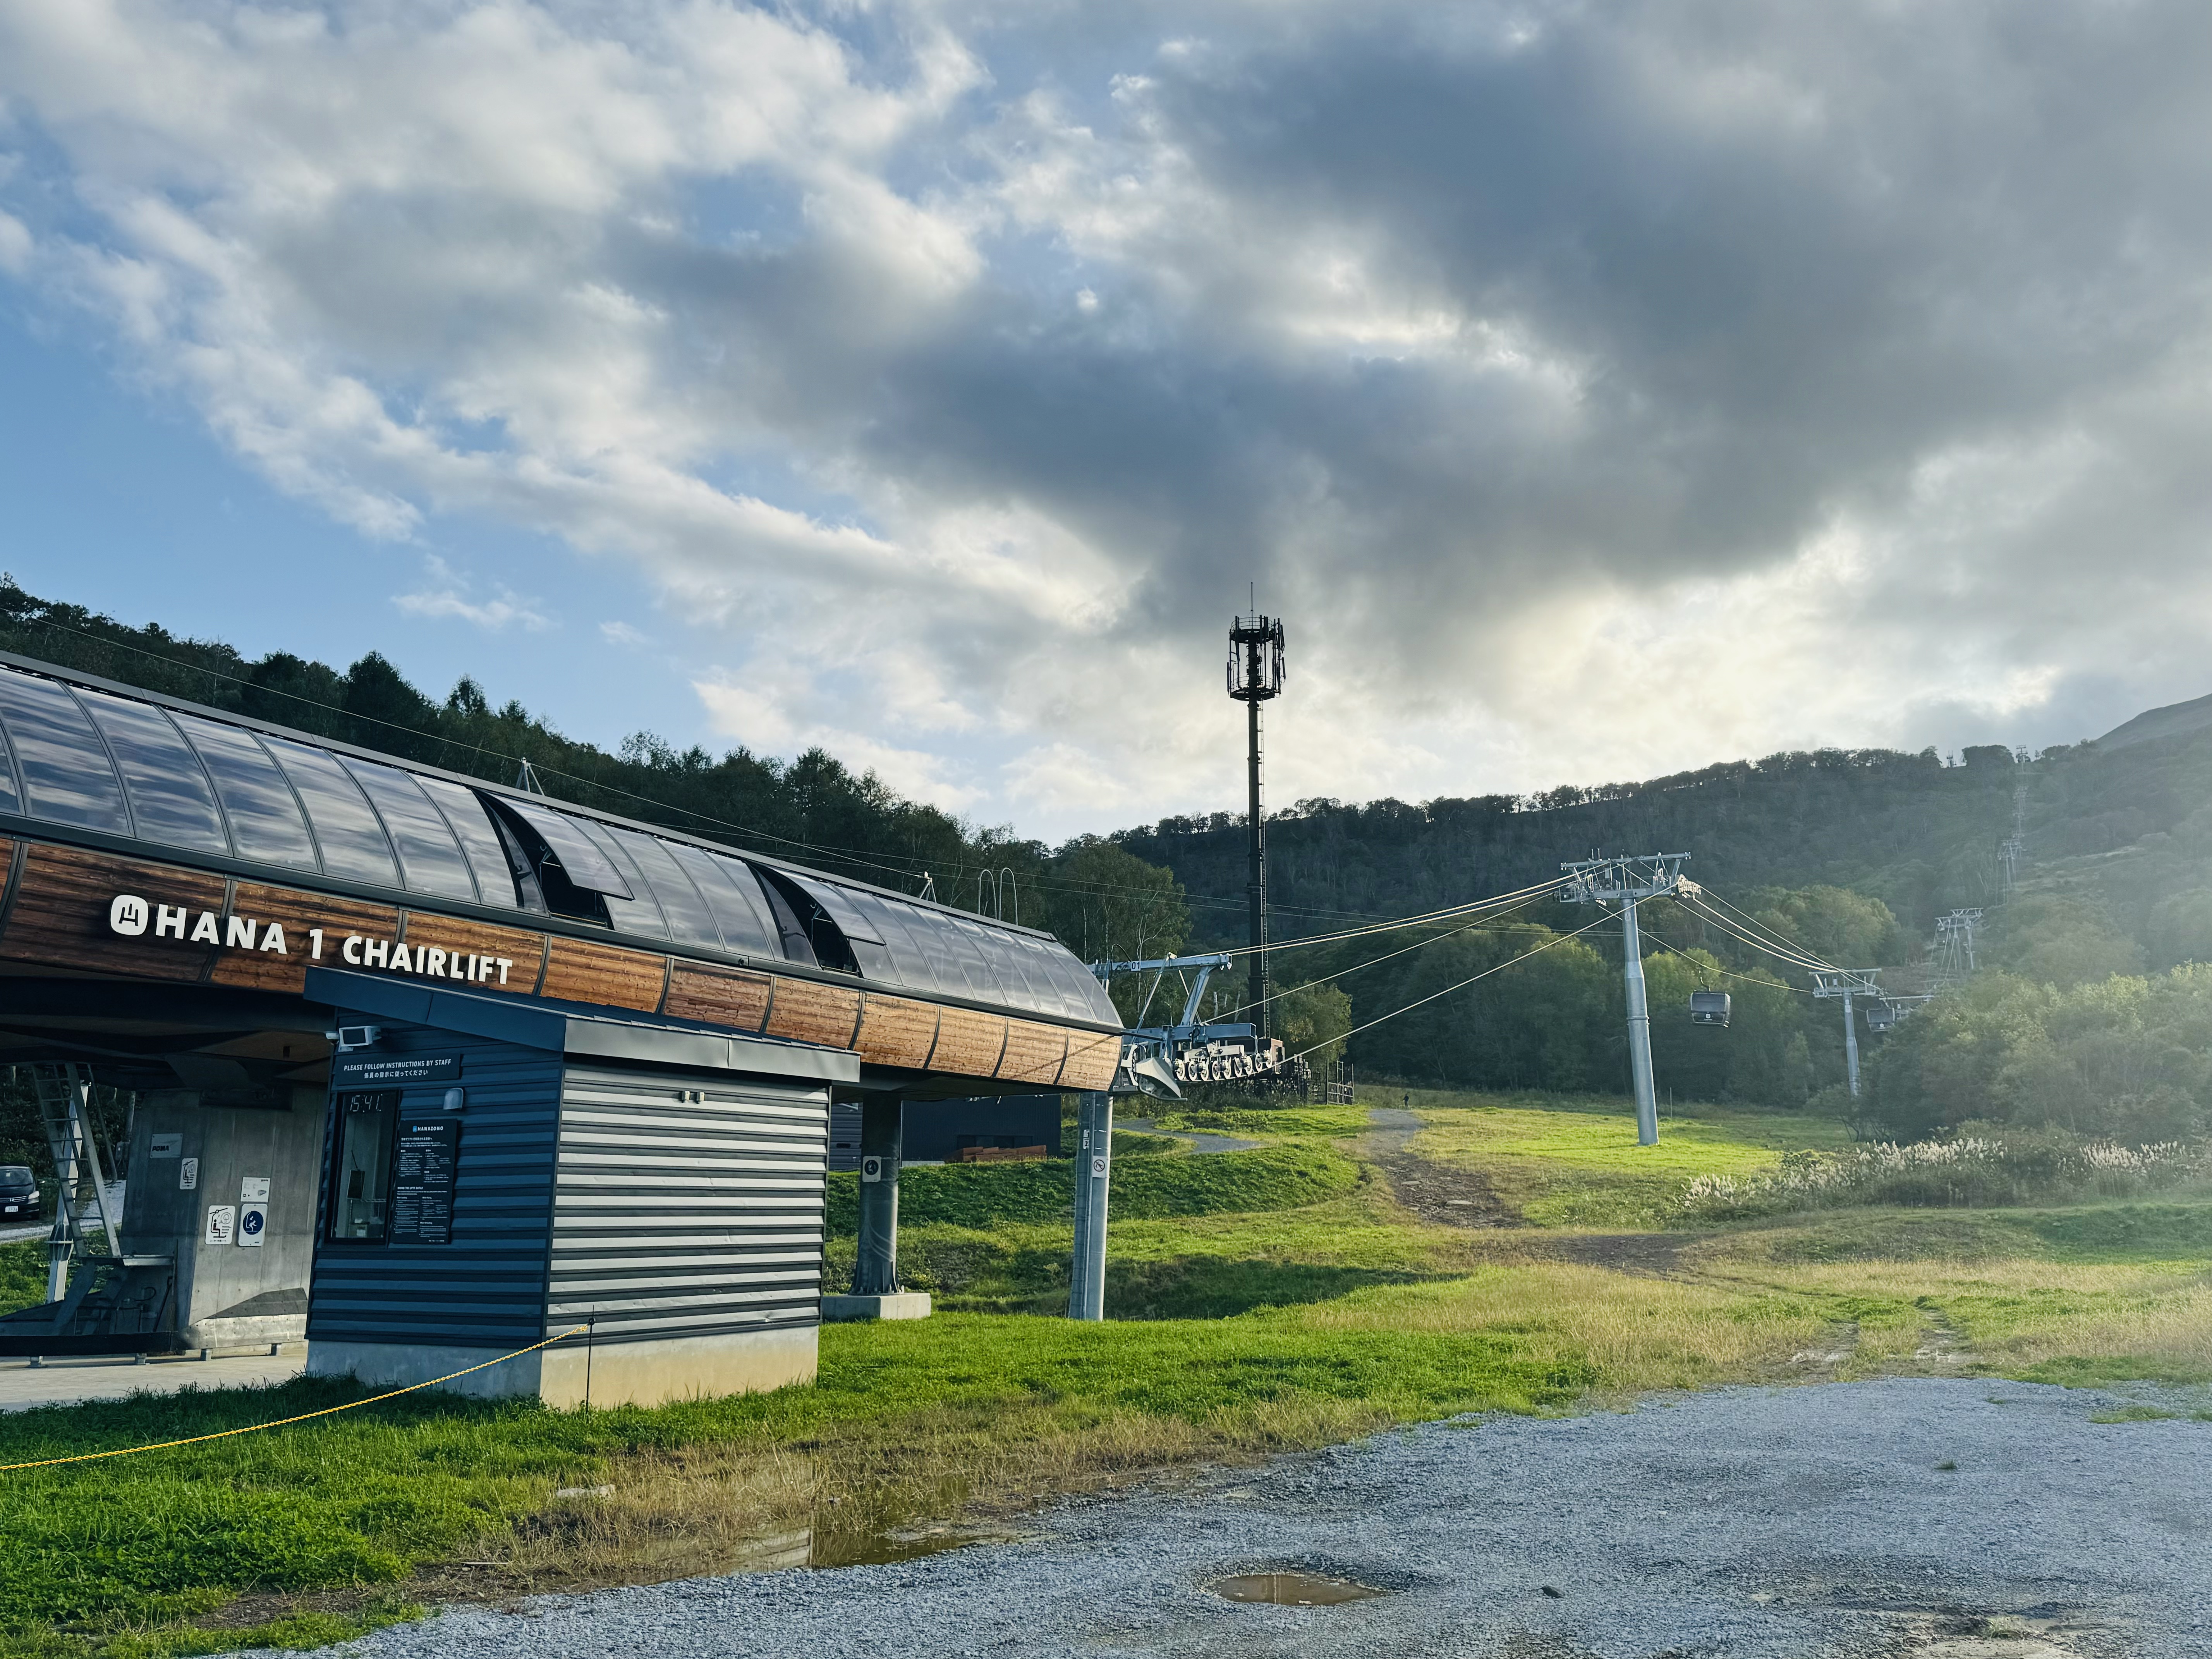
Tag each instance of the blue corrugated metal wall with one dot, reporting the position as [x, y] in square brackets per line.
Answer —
[690, 1204]
[486, 1288]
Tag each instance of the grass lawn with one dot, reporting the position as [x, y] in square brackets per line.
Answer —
[1264, 1301]
[1573, 1161]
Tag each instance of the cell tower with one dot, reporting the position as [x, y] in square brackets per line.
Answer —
[1255, 676]
[1624, 881]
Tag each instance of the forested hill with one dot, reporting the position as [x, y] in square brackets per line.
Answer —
[812, 809]
[1917, 833]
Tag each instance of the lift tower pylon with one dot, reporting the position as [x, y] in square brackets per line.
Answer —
[1255, 675]
[1848, 983]
[1624, 882]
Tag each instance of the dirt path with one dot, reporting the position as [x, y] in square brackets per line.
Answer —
[1450, 1198]
[1199, 1143]
[1464, 1198]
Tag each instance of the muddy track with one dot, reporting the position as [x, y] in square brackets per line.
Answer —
[1448, 1197]
[1464, 1198]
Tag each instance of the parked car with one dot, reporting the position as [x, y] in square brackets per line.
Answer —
[19, 1195]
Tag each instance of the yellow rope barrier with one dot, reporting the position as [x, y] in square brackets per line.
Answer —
[327, 1411]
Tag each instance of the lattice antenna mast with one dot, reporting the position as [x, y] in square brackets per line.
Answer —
[1849, 983]
[1626, 882]
[1255, 676]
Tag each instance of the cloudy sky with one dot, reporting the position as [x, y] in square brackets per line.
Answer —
[1596, 389]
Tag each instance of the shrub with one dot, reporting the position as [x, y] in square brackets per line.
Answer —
[1977, 1170]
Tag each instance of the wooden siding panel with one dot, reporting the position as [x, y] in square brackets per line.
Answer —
[1034, 1052]
[579, 972]
[969, 1043]
[896, 1032]
[525, 951]
[807, 1012]
[59, 919]
[1091, 1058]
[720, 996]
[295, 912]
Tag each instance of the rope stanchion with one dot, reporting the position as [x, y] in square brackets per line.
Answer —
[327, 1411]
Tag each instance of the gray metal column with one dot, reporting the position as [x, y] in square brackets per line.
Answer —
[875, 1271]
[1851, 1042]
[1639, 1029]
[1094, 1168]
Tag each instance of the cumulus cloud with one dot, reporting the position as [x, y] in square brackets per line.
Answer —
[1598, 389]
[448, 597]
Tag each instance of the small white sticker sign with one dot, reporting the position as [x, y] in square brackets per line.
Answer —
[253, 1189]
[166, 1147]
[252, 1224]
[188, 1174]
[871, 1168]
[1097, 1166]
[221, 1222]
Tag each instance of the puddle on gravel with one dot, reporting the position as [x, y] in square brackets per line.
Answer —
[884, 1549]
[1292, 1590]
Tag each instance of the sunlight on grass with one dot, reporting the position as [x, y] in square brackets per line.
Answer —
[1573, 1164]
[1261, 1302]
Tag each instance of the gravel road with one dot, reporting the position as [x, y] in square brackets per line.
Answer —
[1809, 1522]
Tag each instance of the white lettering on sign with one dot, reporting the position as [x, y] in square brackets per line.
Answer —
[129, 915]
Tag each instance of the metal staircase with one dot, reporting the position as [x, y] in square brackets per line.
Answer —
[64, 1095]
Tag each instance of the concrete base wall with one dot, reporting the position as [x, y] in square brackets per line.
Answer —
[619, 1374]
[245, 1333]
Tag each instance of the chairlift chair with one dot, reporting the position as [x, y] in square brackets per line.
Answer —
[1880, 1015]
[1709, 1007]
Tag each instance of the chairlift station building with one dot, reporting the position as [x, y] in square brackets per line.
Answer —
[430, 1070]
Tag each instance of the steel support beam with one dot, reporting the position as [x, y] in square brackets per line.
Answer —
[1094, 1168]
[1639, 1029]
[875, 1270]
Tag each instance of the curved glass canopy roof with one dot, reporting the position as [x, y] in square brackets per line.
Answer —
[84, 757]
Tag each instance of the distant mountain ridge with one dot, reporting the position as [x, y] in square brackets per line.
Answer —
[2175, 719]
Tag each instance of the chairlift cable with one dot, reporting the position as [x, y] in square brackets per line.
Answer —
[1498, 968]
[1432, 918]
[1749, 979]
[1480, 921]
[1772, 933]
[1797, 958]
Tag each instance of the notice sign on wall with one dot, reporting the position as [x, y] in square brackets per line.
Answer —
[221, 1222]
[424, 1166]
[393, 1070]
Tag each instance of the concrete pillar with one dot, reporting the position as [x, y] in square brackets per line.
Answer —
[875, 1272]
[1094, 1168]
